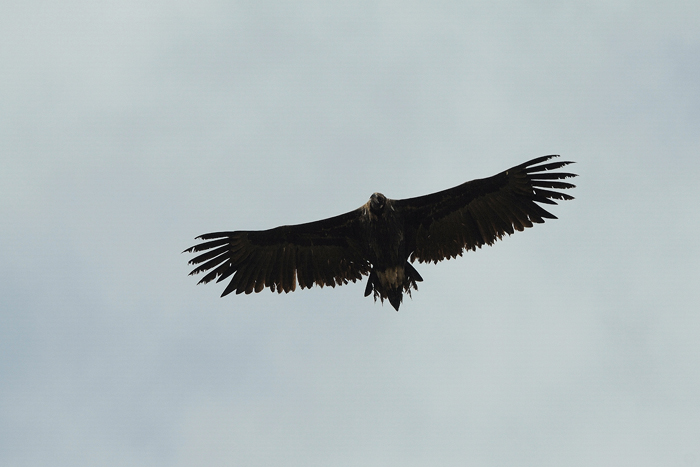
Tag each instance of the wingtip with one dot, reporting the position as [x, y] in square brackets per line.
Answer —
[539, 160]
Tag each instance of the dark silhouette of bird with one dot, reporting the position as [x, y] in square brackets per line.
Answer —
[384, 236]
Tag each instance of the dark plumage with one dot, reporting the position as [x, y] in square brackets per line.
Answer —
[383, 237]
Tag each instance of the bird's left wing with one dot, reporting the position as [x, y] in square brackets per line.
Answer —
[443, 224]
[325, 252]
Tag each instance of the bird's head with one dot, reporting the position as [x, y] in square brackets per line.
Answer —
[376, 203]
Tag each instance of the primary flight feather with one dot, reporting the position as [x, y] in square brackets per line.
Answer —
[384, 236]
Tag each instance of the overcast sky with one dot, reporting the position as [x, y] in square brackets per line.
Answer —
[127, 128]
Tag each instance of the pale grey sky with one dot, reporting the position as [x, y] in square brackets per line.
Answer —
[126, 129]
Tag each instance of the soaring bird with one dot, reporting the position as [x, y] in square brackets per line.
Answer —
[384, 236]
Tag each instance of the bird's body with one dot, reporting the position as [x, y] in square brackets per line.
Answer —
[383, 237]
[391, 273]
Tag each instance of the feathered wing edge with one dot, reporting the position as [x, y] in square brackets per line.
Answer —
[482, 211]
[321, 253]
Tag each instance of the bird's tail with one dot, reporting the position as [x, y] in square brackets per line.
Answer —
[393, 292]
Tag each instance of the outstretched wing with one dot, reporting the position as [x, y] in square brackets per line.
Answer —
[443, 224]
[325, 252]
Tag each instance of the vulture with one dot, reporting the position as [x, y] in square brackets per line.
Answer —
[384, 236]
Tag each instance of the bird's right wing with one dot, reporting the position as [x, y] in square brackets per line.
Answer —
[325, 252]
[444, 224]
